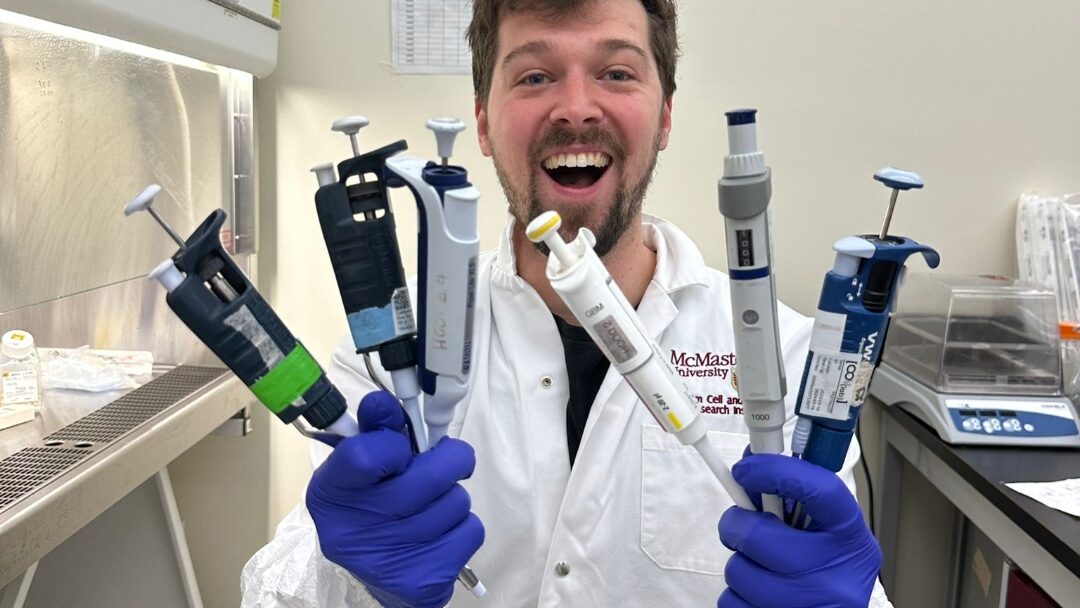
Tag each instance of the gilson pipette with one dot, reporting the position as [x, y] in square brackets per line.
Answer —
[446, 291]
[744, 193]
[217, 301]
[583, 283]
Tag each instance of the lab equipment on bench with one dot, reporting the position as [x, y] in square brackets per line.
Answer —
[744, 193]
[371, 279]
[359, 228]
[218, 303]
[976, 358]
[853, 311]
[585, 286]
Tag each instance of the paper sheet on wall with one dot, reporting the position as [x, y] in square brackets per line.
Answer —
[1062, 495]
[429, 36]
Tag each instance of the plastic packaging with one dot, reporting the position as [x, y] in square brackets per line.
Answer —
[83, 370]
[20, 370]
[1048, 255]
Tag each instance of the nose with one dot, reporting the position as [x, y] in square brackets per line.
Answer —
[577, 104]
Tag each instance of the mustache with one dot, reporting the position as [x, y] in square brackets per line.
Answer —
[560, 137]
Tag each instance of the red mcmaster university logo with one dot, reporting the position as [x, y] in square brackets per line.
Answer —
[717, 366]
[703, 365]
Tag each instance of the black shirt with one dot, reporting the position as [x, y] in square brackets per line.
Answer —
[585, 370]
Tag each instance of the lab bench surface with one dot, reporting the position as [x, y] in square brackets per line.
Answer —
[1042, 541]
[87, 451]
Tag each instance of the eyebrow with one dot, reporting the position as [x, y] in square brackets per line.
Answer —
[540, 47]
[533, 47]
[619, 44]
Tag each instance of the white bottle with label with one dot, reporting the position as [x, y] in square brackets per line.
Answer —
[20, 370]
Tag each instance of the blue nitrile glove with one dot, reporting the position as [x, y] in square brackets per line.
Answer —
[399, 523]
[832, 563]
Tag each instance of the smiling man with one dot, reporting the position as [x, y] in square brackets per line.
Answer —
[584, 500]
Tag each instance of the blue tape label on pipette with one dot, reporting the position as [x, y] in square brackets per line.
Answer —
[372, 326]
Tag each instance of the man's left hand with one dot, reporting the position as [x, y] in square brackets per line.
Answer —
[832, 563]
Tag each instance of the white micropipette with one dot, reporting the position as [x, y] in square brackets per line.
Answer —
[584, 284]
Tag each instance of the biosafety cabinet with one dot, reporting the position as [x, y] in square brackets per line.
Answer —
[152, 496]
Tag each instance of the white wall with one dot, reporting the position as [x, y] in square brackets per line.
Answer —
[982, 98]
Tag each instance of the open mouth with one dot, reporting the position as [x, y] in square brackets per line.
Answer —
[579, 170]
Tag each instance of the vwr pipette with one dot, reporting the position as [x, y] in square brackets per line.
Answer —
[215, 299]
[358, 226]
[744, 193]
[584, 285]
[849, 328]
[367, 263]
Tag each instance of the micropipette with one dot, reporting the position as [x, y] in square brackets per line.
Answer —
[744, 193]
[585, 286]
[359, 229]
[217, 301]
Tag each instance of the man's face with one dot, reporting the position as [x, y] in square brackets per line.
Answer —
[576, 116]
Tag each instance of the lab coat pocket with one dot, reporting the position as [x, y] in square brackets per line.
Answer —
[681, 501]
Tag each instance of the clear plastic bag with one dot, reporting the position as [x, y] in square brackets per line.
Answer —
[82, 370]
[1048, 255]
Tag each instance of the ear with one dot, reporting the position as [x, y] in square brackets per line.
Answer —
[482, 129]
[665, 123]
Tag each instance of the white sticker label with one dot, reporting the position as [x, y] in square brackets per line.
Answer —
[831, 385]
[828, 332]
[20, 386]
[403, 317]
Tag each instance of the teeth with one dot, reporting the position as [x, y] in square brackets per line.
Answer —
[590, 159]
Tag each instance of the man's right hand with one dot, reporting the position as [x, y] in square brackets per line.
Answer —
[399, 523]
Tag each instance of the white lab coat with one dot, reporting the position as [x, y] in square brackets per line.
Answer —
[635, 520]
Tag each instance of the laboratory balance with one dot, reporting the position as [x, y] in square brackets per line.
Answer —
[977, 358]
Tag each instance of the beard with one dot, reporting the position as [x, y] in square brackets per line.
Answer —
[525, 202]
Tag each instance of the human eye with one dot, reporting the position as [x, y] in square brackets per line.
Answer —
[533, 79]
[618, 75]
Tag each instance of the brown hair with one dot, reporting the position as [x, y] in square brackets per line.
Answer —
[483, 35]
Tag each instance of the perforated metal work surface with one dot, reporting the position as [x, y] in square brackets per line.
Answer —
[31, 468]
